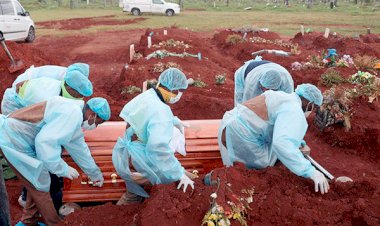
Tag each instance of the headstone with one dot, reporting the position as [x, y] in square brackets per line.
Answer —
[131, 52]
[145, 85]
[368, 30]
[327, 32]
[302, 30]
[165, 32]
[149, 42]
[245, 35]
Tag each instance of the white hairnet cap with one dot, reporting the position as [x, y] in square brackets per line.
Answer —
[82, 67]
[173, 79]
[271, 80]
[310, 92]
[101, 107]
[76, 80]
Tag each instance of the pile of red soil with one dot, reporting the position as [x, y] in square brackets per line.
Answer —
[280, 196]
[343, 45]
[82, 23]
[370, 38]
[364, 136]
[215, 98]
[242, 50]
[29, 55]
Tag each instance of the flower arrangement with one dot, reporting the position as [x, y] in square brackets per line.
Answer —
[363, 78]
[279, 42]
[160, 67]
[331, 77]
[236, 208]
[338, 104]
[346, 61]
[220, 79]
[171, 43]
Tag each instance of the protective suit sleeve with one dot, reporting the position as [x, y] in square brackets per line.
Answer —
[239, 85]
[158, 151]
[61, 122]
[289, 130]
[81, 154]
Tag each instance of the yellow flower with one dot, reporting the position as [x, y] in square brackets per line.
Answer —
[213, 217]
[236, 215]
[210, 223]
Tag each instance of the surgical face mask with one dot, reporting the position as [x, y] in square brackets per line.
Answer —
[87, 126]
[175, 99]
[307, 111]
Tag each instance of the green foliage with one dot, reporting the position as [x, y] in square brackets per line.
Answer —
[234, 39]
[220, 79]
[199, 83]
[130, 90]
[331, 77]
[364, 62]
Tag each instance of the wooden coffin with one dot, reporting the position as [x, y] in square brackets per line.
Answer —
[201, 147]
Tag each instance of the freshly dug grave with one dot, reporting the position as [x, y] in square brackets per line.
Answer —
[214, 99]
[280, 196]
[82, 23]
[364, 136]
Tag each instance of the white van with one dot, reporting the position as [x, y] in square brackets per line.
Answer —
[15, 23]
[136, 7]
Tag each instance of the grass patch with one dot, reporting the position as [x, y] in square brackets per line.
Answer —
[346, 19]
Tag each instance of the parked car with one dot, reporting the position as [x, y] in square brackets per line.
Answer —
[15, 22]
[137, 7]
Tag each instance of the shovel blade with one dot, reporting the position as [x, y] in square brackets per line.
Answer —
[17, 66]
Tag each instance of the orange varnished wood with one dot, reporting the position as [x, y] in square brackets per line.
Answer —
[201, 147]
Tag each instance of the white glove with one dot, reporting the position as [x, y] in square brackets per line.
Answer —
[181, 126]
[185, 181]
[97, 181]
[72, 173]
[320, 182]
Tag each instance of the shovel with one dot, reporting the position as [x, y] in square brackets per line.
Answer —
[16, 65]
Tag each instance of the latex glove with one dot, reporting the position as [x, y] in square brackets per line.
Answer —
[98, 181]
[320, 182]
[185, 181]
[305, 149]
[181, 126]
[72, 173]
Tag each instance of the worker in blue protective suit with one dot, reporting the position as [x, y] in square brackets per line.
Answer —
[270, 127]
[38, 84]
[5, 219]
[31, 141]
[146, 141]
[257, 76]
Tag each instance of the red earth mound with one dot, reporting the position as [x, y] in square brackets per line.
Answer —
[280, 196]
[29, 55]
[343, 45]
[370, 38]
[216, 99]
[81, 23]
[364, 136]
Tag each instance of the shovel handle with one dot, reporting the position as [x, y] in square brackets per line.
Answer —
[7, 52]
[319, 167]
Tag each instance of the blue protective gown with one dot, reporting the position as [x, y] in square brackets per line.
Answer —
[247, 87]
[258, 143]
[34, 149]
[12, 101]
[152, 121]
